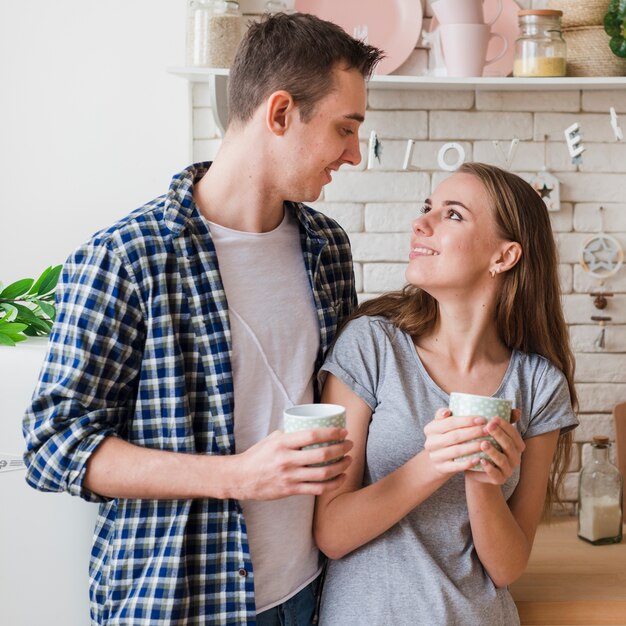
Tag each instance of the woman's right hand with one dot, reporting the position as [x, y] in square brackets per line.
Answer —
[448, 438]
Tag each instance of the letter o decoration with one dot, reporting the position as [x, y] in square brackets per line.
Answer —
[458, 148]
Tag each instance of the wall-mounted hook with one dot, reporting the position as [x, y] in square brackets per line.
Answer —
[408, 155]
[374, 150]
[617, 131]
[600, 299]
[601, 338]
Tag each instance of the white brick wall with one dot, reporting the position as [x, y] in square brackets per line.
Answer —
[376, 207]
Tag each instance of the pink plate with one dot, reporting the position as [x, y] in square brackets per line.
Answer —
[507, 25]
[393, 25]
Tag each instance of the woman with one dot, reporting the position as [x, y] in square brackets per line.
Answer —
[414, 536]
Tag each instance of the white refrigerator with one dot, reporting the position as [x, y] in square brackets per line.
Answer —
[45, 538]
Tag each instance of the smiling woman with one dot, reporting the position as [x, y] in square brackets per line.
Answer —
[457, 224]
[480, 315]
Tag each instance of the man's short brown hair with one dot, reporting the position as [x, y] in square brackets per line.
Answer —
[295, 53]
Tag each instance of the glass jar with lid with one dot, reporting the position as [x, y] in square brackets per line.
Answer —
[277, 6]
[540, 49]
[214, 29]
[600, 498]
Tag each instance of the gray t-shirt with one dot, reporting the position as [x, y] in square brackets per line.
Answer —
[424, 570]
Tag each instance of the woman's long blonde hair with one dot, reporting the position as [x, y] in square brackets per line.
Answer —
[529, 315]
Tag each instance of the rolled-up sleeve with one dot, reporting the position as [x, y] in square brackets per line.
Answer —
[87, 385]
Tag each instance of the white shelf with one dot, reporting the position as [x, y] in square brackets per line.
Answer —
[218, 81]
[198, 74]
[489, 83]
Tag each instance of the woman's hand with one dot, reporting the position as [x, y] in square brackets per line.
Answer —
[503, 463]
[448, 438]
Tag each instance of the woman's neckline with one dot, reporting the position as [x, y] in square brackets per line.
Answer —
[444, 394]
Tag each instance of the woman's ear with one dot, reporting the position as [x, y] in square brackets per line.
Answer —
[510, 255]
[279, 106]
[507, 257]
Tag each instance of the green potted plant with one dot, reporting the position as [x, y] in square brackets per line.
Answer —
[27, 307]
[615, 26]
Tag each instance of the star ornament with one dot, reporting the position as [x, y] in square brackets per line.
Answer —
[547, 186]
[602, 256]
[545, 191]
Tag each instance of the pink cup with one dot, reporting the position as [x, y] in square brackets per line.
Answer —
[465, 48]
[462, 11]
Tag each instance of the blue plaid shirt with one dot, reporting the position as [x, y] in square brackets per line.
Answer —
[141, 349]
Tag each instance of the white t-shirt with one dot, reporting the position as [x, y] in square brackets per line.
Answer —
[275, 339]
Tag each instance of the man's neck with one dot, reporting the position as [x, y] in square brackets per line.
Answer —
[234, 192]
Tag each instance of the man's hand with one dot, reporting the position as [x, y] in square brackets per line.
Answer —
[276, 467]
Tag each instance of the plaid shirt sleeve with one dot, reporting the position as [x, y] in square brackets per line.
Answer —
[87, 386]
[348, 298]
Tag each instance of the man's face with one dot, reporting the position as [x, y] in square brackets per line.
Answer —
[330, 138]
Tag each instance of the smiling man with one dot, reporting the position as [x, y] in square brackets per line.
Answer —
[184, 331]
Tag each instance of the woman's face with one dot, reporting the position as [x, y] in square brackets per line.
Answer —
[454, 242]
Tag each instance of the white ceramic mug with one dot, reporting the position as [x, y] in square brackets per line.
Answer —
[309, 416]
[465, 48]
[488, 407]
[463, 12]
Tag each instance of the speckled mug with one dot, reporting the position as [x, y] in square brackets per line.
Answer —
[485, 406]
[308, 416]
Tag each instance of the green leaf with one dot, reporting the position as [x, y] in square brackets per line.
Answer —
[24, 312]
[40, 325]
[618, 46]
[35, 287]
[11, 311]
[50, 281]
[12, 328]
[16, 289]
[618, 7]
[5, 340]
[35, 315]
[48, 309]
[612, 25]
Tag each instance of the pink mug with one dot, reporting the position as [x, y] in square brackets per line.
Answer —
[465, 48]
[462, 12]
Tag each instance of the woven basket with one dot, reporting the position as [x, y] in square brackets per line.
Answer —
[588, 53]
[578, 13]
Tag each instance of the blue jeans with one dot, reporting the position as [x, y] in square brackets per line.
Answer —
[299, 610]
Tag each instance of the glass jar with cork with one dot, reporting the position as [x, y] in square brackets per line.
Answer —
[600, 497]
[540, 50]
[214, 29]
[277, 6]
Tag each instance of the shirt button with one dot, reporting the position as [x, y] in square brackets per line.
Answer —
[243, 573]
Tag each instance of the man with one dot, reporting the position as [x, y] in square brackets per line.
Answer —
[183, 332]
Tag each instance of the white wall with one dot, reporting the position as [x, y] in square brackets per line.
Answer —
[91, 123]
[91, 126]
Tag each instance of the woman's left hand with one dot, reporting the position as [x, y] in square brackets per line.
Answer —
[502, 464]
